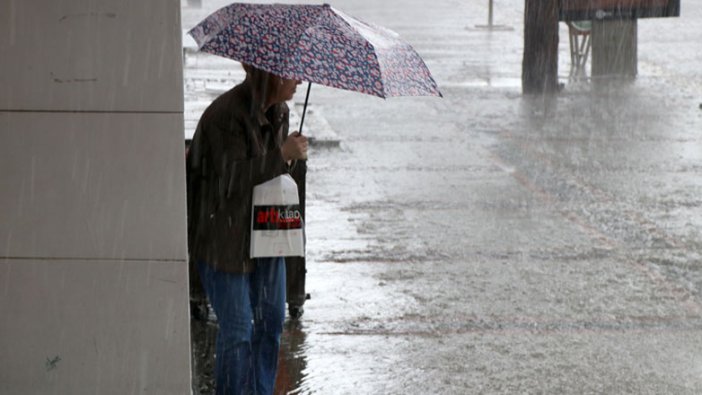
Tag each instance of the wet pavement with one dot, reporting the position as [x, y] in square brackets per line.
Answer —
[489, 242]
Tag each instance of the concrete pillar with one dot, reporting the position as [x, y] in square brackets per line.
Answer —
[93, 269]
[614, 49]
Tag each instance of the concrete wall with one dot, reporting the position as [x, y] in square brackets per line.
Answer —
[93, 270]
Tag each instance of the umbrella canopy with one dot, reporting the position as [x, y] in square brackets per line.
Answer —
[316, 43]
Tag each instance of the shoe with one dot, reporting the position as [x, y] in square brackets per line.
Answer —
[295, 312]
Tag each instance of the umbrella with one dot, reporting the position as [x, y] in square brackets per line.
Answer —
[318, 44]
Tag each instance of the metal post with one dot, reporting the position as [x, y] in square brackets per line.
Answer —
[490, 14]
[491, 20]
[304, 109]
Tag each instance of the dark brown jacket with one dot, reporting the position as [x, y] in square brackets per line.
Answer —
[235, 147]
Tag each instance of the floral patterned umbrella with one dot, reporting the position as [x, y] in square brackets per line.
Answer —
[318, 44]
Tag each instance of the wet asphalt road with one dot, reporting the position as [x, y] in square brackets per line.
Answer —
[488, 242]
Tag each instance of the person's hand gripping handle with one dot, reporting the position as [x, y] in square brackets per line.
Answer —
[295, 147]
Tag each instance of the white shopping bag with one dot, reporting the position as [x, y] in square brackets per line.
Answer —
[276, 221]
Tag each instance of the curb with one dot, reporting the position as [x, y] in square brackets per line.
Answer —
[318, 131]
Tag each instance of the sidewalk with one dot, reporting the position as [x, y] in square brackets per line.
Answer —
[491, 243]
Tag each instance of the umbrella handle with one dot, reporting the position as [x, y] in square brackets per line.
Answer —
[304, 109]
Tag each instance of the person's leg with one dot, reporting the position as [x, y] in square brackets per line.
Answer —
[229, 296]
[268, 301]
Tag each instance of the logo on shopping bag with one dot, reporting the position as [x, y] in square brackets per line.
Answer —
[277, 217]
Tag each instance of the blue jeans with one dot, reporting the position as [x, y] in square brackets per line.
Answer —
[250, 310]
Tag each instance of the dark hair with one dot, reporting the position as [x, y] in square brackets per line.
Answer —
[262, 84]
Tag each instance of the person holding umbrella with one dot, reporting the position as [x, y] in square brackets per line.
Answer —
[241, 141]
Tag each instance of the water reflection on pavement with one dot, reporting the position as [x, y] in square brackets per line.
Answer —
[292, 365]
